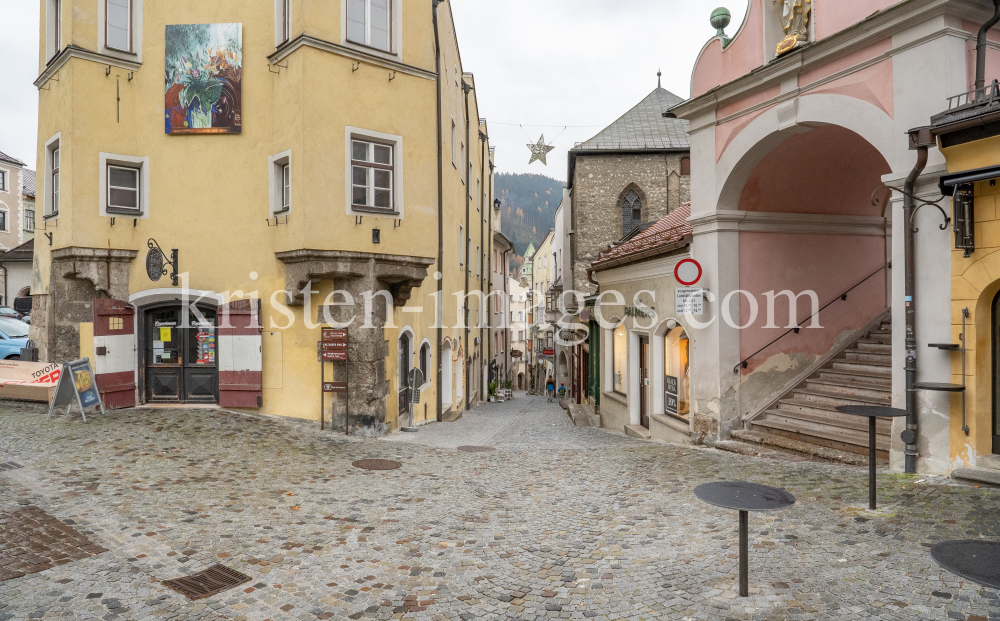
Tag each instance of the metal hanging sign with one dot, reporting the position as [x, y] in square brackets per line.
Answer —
[156, 262]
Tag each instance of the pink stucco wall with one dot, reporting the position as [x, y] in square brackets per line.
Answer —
[745, 52]
[866, 53]
[832, 16]
[992, 56]
[826, 264]
[828, 170]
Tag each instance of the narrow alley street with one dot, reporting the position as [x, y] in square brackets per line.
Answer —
[546, 521]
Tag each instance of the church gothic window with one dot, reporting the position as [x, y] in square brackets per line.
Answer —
[631, 212]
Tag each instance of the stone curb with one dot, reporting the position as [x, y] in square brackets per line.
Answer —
[821, 452]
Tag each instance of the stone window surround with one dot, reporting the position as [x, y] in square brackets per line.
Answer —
[395, 32]
[44, 180]
[133, 55]
[397, 212]
[275, 182]
[128, 161]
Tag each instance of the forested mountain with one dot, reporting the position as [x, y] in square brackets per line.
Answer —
[528, 205]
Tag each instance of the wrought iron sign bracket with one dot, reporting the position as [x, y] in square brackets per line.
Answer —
[276, 222]
[278, 65]
[156, 263]
[922, 203]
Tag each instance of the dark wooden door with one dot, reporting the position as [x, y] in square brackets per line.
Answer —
[644, 381]
[180, 358]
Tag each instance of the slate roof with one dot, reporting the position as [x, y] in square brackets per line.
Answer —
[666, 231]
[10, 160]
[643, 127]
[28, 183]
[23, 252]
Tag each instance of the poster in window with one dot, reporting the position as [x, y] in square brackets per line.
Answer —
[204, 79]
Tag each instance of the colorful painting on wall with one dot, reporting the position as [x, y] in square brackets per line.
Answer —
[204, 75]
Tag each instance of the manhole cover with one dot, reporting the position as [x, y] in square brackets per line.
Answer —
[215, 579]
[376, 464]
[10, 465]
[476, 449]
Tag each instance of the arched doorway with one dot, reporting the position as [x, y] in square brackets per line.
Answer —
[403, 373]
[520, 381]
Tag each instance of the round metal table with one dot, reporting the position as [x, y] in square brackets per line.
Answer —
[872, 412]
[744, 497]
[972, 559]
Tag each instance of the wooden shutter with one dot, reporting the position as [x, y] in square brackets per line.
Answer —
[240, 362]
[114, 353]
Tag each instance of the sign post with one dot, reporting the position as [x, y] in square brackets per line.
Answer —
[333, 348]
[76, 382]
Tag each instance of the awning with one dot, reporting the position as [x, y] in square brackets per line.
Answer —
[949, 182]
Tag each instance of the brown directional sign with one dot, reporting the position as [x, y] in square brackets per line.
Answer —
[334, 386]
[333, 356]
[334, 346]
[332, 334]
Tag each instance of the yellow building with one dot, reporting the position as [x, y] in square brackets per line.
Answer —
[969, 138]
[542, 276]
[288, 157]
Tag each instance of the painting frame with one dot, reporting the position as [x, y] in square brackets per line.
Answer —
[203, 79]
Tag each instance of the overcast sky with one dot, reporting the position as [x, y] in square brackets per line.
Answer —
[541, 64]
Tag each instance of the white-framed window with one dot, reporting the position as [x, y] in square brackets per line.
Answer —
[462, 159]
[374, 172]
[461, 245]
[120, 31]
[478, 265]
[479, 203]
[4, 176]
[118, 25]
[619, 350]
[369, 22]
[123, 189]
[124, 185]
[50, 177]
[468, 252]
[53, 28]
[279, 182]
[282, 21]
[3, 219]
[371, 174]
[29, 220]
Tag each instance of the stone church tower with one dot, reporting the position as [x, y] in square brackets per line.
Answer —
[628, 176]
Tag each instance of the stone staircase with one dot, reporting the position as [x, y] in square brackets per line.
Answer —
[860, 375]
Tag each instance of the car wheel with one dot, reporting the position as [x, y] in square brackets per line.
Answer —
[14, 357]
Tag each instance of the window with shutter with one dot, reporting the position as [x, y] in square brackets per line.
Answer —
[55, 181]
[118, 24]
[286, 185]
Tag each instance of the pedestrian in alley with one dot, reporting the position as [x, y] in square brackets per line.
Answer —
[562, 391]
[550, 388]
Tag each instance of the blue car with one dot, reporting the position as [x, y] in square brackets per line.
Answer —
[13, 336]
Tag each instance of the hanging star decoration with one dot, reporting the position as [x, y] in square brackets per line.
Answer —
[539, 150]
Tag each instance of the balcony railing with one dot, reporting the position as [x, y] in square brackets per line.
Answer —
[978, 96]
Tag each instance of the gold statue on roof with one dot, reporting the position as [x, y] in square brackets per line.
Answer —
[794, 18]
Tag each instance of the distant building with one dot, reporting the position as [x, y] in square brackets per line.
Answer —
[632, 173]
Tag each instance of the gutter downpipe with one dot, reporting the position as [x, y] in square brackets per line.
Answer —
[440, 188]
[981, 47]
[466, 88]
[485, 270]
[920, 139]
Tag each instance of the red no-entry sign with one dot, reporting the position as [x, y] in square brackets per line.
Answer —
[687, 272]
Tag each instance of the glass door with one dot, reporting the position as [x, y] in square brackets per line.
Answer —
[163, 355]
[201, 371]
[180, 357]
[644, 381]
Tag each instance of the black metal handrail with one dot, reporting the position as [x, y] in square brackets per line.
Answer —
[841, 298]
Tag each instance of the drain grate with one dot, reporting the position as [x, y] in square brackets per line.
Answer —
[476, 449]
[376, 464]
[215, 579]
[10, 465]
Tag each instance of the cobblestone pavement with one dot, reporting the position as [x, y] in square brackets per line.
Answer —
[557, 522]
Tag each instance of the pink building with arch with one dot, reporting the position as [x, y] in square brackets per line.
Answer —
[791, 156]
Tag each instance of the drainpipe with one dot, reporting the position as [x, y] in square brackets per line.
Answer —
[981, 47]
[920, 140]
[485, 273]
[468, 247]
[440, 184]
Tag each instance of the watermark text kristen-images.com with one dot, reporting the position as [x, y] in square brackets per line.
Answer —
[492, 310]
